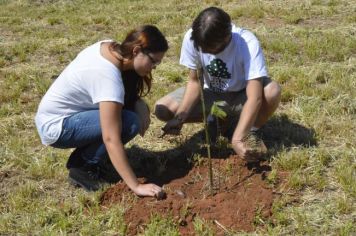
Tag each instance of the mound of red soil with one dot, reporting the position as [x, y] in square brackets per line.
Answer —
[241, 197]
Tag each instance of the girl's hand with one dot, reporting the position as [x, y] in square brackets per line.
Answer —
[151, 190]
[143, 113]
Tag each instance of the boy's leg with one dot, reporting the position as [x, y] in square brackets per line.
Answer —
[167, 106]
[271, 99]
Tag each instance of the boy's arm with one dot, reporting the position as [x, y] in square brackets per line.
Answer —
[248, 115]
[190, 98]
[191, 95]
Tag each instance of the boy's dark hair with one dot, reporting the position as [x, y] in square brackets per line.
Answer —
[211, 27]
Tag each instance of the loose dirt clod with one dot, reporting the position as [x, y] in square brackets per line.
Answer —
[180, 193]
[161, 195]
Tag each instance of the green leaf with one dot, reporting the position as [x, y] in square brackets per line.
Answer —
[217, 111]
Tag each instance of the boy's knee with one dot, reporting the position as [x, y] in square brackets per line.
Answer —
[273, 91]
[162, 112]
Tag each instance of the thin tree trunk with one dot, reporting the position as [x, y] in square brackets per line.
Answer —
[207, 137]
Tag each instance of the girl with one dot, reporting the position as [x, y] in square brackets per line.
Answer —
[95, 106]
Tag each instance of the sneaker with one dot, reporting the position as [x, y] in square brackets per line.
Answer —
[257, 147]
[75, 159]
[86, 177]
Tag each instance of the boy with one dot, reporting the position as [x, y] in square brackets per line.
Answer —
[232, 66]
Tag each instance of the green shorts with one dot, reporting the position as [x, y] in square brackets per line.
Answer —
[232, 101]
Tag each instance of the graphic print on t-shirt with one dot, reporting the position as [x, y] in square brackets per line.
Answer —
[219, 75]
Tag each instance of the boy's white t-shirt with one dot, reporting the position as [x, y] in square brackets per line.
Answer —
[86, 81]
[230, 69]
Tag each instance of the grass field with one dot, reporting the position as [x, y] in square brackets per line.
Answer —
[310, 49]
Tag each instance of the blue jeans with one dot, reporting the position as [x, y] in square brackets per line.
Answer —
[83, 131]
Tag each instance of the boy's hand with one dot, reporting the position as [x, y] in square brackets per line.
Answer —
[247, 152]
[173, 127]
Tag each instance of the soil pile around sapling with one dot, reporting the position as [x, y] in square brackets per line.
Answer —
[242, 198]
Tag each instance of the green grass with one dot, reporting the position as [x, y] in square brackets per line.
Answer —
[310, 49]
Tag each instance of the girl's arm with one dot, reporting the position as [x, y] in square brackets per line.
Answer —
[111, 125]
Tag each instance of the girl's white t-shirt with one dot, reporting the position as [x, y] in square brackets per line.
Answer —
[230, 69]
[88, 80]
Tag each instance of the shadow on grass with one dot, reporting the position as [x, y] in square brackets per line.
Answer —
[280, 133]
[161, 167]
